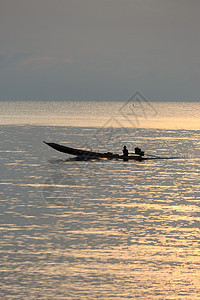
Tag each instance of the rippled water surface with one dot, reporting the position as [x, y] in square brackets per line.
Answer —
[99, 229]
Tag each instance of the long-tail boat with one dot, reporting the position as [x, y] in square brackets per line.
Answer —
[85, 154]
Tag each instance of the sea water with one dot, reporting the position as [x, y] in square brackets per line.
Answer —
[99, 229]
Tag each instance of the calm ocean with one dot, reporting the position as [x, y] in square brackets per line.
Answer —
[99, 229]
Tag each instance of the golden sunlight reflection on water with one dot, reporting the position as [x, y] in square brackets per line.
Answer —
[98, 229]
[163, 115]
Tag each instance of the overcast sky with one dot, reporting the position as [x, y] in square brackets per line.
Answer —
[99, 49]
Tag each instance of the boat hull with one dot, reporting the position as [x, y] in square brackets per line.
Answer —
[91, 154]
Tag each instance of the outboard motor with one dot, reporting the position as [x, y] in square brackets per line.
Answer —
[139, 152]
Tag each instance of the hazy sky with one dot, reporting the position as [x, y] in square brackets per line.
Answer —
[99, 49]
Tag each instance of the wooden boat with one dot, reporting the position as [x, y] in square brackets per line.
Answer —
[90, 154]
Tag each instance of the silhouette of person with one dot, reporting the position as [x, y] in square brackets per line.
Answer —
[125, 151]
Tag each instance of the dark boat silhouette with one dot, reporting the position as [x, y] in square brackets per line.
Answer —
[91, 154]
[85, 154]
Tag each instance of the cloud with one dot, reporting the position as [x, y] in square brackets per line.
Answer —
[69, 60]
[31, 60]
[21, 59]
[107, 48]
[9, 59]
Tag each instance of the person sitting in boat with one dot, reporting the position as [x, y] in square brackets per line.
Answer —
[125, 151]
